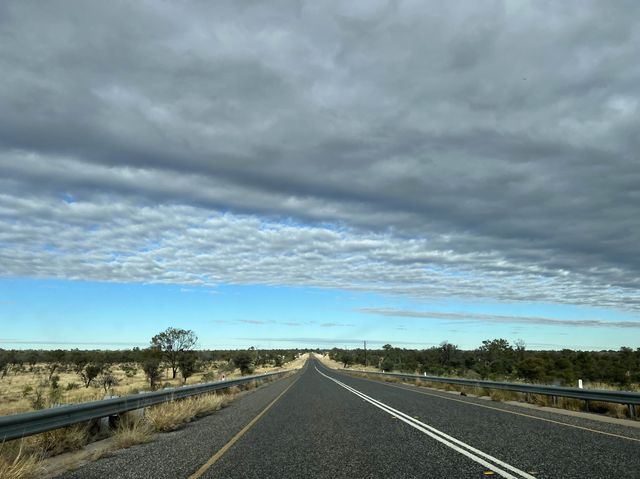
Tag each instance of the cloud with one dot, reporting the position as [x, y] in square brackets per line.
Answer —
[335, 325]
[459, 150]
[493, 318]
[252, 321]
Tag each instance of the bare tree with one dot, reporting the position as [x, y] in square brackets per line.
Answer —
[107, 379]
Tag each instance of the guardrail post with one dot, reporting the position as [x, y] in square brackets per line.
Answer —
[633, 413]
[104, 426]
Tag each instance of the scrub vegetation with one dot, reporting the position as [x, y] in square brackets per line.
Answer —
[37, 379]
[497, 359]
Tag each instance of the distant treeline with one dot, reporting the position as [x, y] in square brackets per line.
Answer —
[25, 358]
[498, 359]
[494, 359]
[172, 348]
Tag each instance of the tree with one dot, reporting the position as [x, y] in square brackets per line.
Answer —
[187, 365]
[52, 368]
[277, 361]
[129, 369]
[106, 379]
[497, 356]
[346, 358]
[387, 364]
[520, 349]
[4, 363]
[244, 361]
[174, 343]
[89, 372]
[151, 366]
[531, 369]
[447, 354]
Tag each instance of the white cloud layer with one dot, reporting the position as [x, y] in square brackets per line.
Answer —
[467, 150]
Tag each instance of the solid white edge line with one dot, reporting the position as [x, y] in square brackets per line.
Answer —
[439, 435]
[417, 425]
[452, 439]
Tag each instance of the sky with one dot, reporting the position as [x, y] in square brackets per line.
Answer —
[318, 174]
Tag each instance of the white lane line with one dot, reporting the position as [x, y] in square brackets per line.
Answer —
[455, 444]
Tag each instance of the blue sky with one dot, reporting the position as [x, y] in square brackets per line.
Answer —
[320, 173]
[94, 315]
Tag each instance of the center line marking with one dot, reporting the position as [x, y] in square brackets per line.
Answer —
[515, 413]
[467, 450]
[235, 438]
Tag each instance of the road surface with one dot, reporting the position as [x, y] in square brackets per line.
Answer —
[326, 424]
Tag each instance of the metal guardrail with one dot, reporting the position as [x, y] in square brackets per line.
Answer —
[629, 398]
[25, 424]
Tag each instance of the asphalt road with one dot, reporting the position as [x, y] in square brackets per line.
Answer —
[321, 423]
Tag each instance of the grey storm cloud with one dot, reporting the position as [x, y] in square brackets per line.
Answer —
[493, 318]
[472, 149]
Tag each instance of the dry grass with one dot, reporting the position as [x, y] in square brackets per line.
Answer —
[297, 363]
[57, 441]
[208, 403]
[619, 411]
[18, 389]
[502, 395]
[232, 391]
[23, 459]
[171, 415]
[328, 361]
[16, 464]
[131, 431]
[614, 410]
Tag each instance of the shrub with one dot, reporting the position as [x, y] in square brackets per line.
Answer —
[151, 368]
[244, 361]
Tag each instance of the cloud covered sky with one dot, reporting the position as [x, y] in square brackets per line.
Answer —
[469, 152]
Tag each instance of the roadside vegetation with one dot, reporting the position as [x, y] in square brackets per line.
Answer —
[497, 359]
[38, 379]
[27, 458]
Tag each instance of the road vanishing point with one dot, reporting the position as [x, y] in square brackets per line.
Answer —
[321, 423]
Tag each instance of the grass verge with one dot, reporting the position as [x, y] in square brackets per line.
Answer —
[619, 411]
[15, 463]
